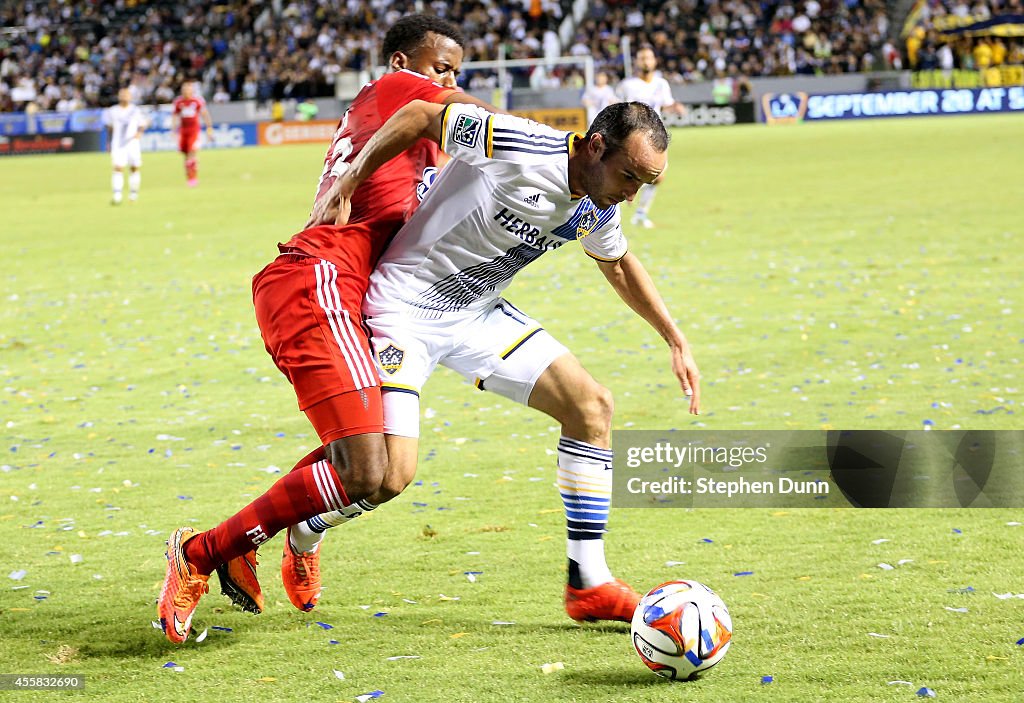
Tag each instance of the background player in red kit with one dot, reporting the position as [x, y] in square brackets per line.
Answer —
[307, 305]
[188, 108]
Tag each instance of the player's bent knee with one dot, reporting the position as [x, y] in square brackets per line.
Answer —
[361, 467]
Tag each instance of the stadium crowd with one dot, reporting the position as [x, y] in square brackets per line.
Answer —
[929, 46]
[61, 55]
[701, 39]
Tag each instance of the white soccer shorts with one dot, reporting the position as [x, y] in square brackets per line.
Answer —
[501, 350]
[129, 155]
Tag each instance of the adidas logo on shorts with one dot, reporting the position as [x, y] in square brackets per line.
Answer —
[532, 199]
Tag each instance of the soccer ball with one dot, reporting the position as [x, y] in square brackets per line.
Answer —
[680, 629]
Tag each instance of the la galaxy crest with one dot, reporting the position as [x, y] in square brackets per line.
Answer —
[587, 224]
[391, 358]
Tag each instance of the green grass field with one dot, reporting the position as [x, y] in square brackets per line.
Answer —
[846, 276]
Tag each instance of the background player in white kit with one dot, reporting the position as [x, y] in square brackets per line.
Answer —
[650, 88]
[598, 96]
[125, 124]
[514, 190]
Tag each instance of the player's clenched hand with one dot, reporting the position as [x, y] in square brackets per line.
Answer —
[333, 207]
[685, 368]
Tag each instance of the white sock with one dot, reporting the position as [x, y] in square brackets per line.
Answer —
[645, 198]
[585, 482]
[308, 534]
[134, 181]
[117, 183]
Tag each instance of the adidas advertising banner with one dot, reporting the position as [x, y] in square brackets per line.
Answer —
[64, 143]
[819, 469]
[708, 115]
[783, 108]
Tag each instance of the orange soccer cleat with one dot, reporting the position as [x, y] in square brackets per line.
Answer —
[614, 600]
[182, 589]
[300, 572]
[239, 583]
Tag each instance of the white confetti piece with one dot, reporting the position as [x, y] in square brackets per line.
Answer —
[1007, 596]
[886, 567]
[900, 683]
[503, 622]
[901, 562]
[879, 541]
[956, 610]
[17, 575]
[444, 597]
[404, 656]
[410, 601]
[1013, 524]
[340, 675]
[875, 634]
[674, 563]
[270, 469]
[552, 667]
[156, 625]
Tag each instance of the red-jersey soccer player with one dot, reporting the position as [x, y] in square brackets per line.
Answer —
[308, 304]
[188, 108]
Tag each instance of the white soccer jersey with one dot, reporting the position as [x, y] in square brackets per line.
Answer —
[125, 122]
[502, 202]
[656, 93]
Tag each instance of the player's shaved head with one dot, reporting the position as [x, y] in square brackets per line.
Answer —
[408, 33]
[617, 122]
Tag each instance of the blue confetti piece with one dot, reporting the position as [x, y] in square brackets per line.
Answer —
[1020, 642]
[744, 573]
[325, 625]
[280, 434]
[381, 614]
[957, 531]
[925, 692]
[707, 541]
[151, 451]
[221, 629]
[333, 642]
[928, 423]
[184, 497]
[372, 694]
[420, 505]
[765, 680]
[169, 665]
[475, 573]
[418, 483]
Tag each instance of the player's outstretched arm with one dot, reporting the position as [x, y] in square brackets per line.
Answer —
[631, 281]
[417, 120]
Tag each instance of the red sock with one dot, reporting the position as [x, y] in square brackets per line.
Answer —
[314, 456]
[304, 492]
[191, 168]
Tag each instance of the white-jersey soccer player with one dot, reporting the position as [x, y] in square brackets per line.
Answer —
[125, 124]
[649, 87]
[514, 191]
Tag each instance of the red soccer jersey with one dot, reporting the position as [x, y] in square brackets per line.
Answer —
[385, 200]
[189, 110]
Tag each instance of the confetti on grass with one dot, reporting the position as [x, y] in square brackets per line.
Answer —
[552, 667]
[744, 573]
[202, 635]
[325, 625]
[369, 696]
[1020, 642]
[173, 667]
[765, 680]
[925, 692]
[340, 675]
[404, 656]
[956, 610]
[875, 634]
[17, 575]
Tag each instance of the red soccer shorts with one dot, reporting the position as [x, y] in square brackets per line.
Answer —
[308, 313]
[188, 140]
